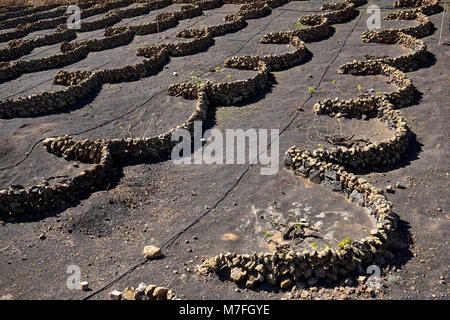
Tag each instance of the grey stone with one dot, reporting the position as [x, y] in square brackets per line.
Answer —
[314, 176]
[331, 174]
[288, 160]
[333, 185]
[357, 198]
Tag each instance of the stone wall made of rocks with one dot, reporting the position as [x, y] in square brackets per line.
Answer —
[42, 198]
[273, 62]
[83, 83]
[317, 29]
[80, 88]
[235, 24]
[144, 292]
[19, 48]
[15, 69]
[181, 48]
[427, 7]
[400, 97]
[100, 44]
[14, 22]
[424, 28]
[282, 268]
[255, 10]
[343, 12]
[357, 158]
[406, 62]
[46, 102]
[226, 93]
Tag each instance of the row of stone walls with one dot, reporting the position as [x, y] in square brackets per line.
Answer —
[328, 167]
[24, 11]
[48, 22]
[82, 83]
[76, 51]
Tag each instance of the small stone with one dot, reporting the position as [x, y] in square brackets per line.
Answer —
[314, 176]
[84, 285]
[175, 74]
[149, 290]
[151, 252]
[304, 294]
[286, 284]
[128, 294]
[42, 236]
[389, 189]
[356, 197]
[160, 293]
[271, 278]
[288, 160]
[361, 279]
[237, 274]
[115, 295]
[400, 185]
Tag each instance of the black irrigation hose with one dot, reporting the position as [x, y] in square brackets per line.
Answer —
[172, 239]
